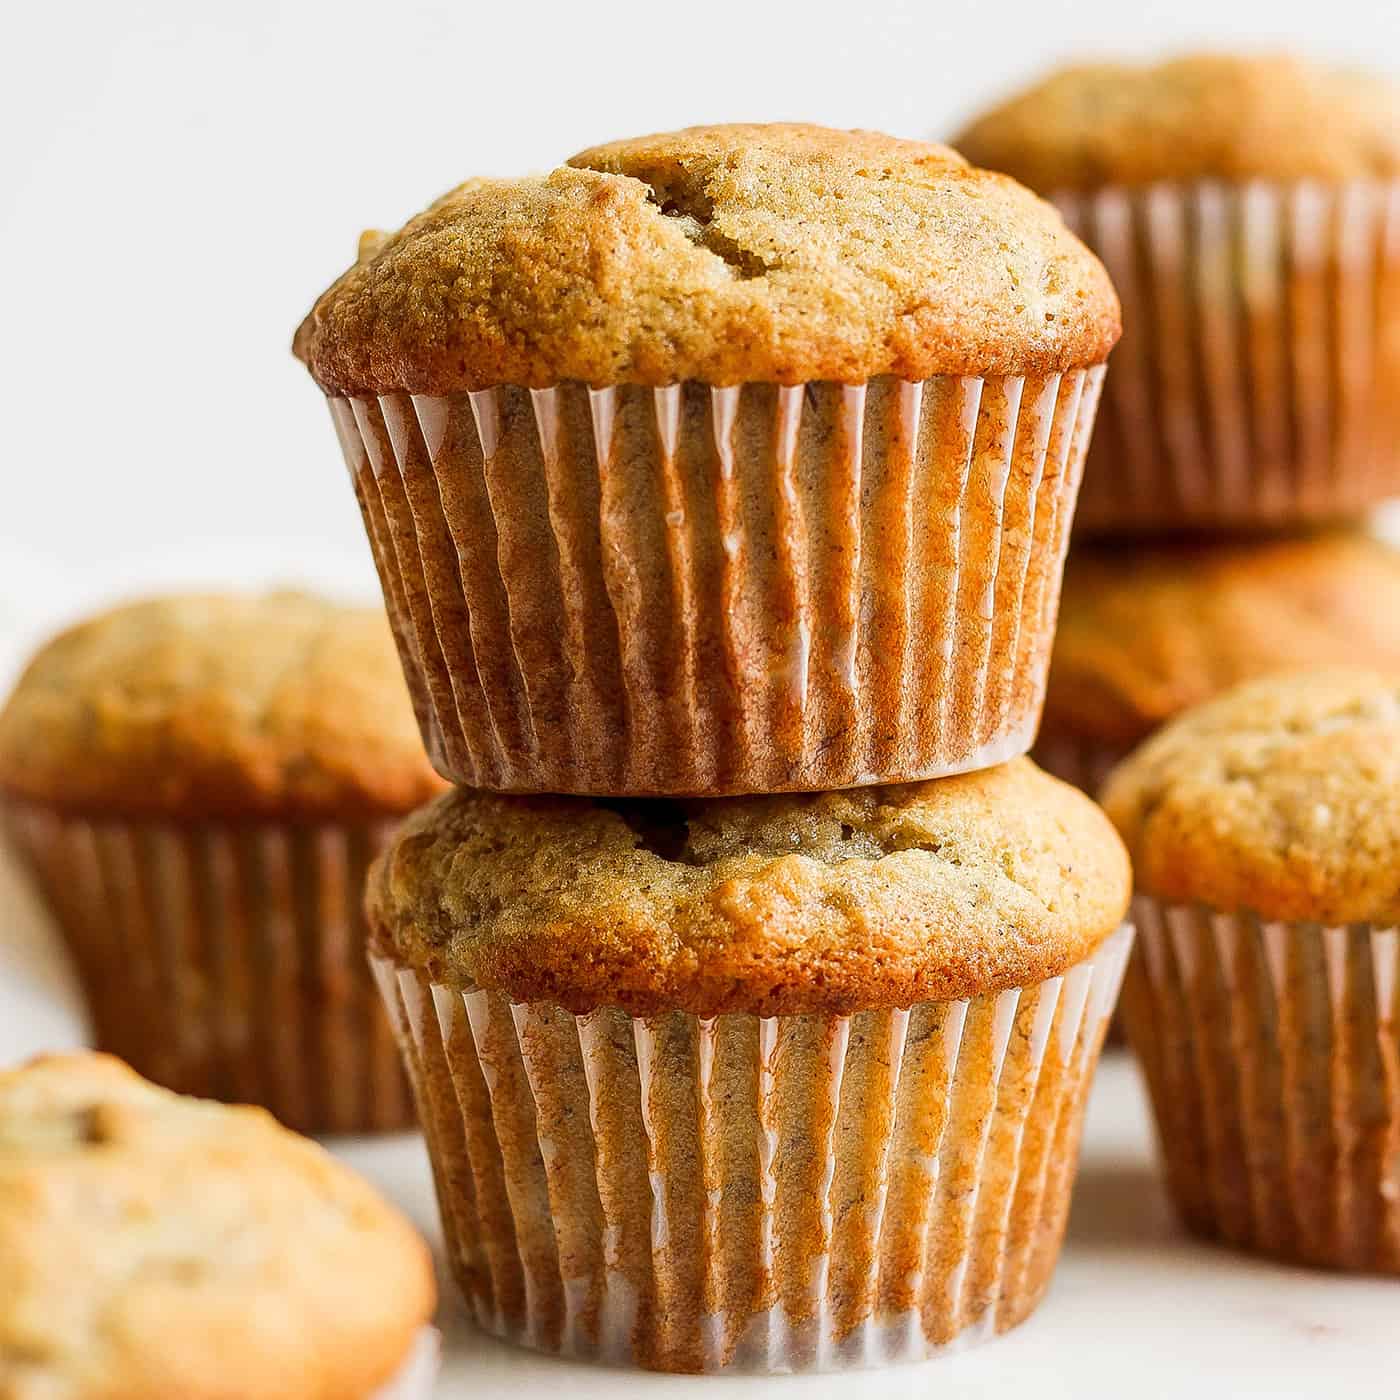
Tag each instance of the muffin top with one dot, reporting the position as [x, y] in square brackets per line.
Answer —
[152, 1245]
[1205, 116]
[829, 902]
[1146, 632]
[281, 704]
[723, 254]
[1276, 797]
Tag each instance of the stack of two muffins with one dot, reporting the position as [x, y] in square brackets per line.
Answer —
[720, 480]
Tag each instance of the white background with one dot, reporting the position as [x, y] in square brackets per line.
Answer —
[178, 180]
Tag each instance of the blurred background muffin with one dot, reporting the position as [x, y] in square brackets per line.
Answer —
[152, 1245]
[1262, 995]
[736, 459]
[198, 785]
[775, 1083]
[1248, 211]
[1149, 630]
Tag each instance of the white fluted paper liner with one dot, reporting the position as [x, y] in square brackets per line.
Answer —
[1272, 1057]
[1258, 378]
[227, 961]
[418, 1376]
[704, 590]
[770, 1194]
[1083, 762]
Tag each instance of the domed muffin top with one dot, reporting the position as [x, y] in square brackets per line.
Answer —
[218, 705]
[152, 1245]
[830, 902]
[780, 253]
[1202, 116]
[1277, 797]
[1147, 631]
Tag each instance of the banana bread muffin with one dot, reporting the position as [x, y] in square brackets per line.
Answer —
[1248, 209]
[1266, 840]
[1147, 631]
[775, 1083]
[157, 1246]
[198, 784]
[730, 460]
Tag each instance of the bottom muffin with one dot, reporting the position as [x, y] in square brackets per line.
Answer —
[771, 1083]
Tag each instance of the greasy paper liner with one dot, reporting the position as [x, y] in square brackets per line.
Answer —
[227, 962]
[1271, 1054]
[781, 1194]
[1083, 762]
[1258, 379]
[706, 590]
[418, 1375]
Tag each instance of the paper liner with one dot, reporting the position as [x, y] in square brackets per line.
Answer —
[1258, 378]
[696, 590]
[227, 962]
[780, 1194]
[418, 1376]
[1083, 762]
[1271, 1054]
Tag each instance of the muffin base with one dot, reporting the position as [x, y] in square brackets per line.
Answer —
[1082, 762]
[1273, 1061]
[1257, 383]
[768, 1194]
[227, 962]
[693, 590]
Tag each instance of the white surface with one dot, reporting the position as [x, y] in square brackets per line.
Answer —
[1137, 1310]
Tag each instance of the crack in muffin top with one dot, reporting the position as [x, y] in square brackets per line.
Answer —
[726, 254]
[1276, 798]
[1200, 116]
[830, 902]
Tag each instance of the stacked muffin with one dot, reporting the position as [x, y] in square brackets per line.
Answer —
[1249, 212]
[706, 475]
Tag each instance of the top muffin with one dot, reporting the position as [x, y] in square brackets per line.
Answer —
[218, 705]
[1197, 117]
[723, 254]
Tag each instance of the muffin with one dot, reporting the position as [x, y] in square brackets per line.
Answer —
[157, 1246]
[198, 785]
[776, 1083]
[737, 459]
[1147, 631]
[1265, 836]
[1248, 210]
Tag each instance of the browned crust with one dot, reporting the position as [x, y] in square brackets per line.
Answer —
[1147, 631]
[830, 902]
[153, 1245]
[1277, 797]
[217, 706]
[778, 253]
[1200, 116]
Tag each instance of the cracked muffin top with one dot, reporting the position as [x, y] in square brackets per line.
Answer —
[721, 254]
[1200, 116]
[279, 704]
[826, 902]
[1277, 797]
[1147, 631]
[153, 1245]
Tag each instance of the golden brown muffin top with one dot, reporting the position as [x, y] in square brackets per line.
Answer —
[153, 1245]
[723, 254]
[1276, 797]
[1147, 631]
[218, 705]
[1203, 116]
[830, 902]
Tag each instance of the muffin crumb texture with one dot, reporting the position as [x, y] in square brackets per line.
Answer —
[157, 1246]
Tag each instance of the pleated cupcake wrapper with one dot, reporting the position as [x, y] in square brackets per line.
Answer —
[1271, 1053]
[1083, 762]
[227, 961]
[418, 1375]
[702, 590]
[1258, 378]
[776, 1194]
